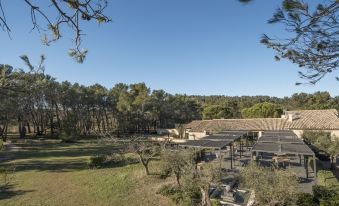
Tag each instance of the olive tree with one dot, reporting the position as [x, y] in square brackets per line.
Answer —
[328, 145]
[271, 187]
[147, 151]
[177, 163]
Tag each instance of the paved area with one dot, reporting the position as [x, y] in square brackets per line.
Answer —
[266, 160]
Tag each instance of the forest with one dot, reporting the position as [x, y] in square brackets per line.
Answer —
[38, 102]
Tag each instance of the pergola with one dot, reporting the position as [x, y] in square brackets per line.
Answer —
[219, 141]
[286, 143]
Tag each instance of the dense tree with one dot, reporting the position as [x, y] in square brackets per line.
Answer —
[216, 112]
[262, 110]
[37, 102]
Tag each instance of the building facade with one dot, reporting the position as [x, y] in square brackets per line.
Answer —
[296, 121]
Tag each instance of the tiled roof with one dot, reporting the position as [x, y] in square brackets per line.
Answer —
[238, 124]
[303, 119]
[315, 119]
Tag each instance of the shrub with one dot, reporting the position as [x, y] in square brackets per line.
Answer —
[325, 195]
[327, 178]
[305, 199]
[215, 202]
[66, 138]
[172, 191]
[69, 128]
[97, 161]
[312, 136]
[6, 176]
[115, 159]
[131, 160]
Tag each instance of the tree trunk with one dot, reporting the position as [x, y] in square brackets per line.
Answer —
[29, 128]
[177, 177]
[332, 163]
[205, 199]
[4, 134]
[145, 164]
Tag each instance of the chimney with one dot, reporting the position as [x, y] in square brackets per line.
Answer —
[292, 116]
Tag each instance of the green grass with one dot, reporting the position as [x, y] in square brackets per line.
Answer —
[57, 174]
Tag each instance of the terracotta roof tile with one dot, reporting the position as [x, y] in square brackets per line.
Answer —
[303, 119]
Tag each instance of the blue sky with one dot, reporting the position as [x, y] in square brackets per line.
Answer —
[205, 47]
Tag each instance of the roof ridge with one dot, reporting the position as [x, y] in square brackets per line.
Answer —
[251, 118]
[312, 110]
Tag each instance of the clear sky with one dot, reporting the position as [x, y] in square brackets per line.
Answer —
[205, 47]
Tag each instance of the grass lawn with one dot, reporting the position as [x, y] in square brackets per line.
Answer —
[57, 174]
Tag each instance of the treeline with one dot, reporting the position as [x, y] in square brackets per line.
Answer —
[38, 103]
[214, 107]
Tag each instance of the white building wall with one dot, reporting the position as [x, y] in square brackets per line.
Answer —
[196, 135]
[299, 133]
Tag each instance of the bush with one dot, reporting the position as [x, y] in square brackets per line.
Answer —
[215, 202]
[116, 159]
[311, 137]
[305, 199]
[69, 128]
[327, 178]
[172, 191]
[6, 176]
[323, 193]
[131, 160]
[66, 138]
[97, 161]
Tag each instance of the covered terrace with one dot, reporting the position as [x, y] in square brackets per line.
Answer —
[283, 145]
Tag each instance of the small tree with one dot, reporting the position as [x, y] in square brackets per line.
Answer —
[331, 147]
[271, 187]
[69, 128]
[312, 136]
[146, 151]
[177, 162]
[202, 177]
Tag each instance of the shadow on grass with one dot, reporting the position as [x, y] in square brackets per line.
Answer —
[7, 192]
[68, 157]
[59, 150]
[58, 166]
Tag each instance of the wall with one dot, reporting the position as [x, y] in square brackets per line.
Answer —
[167, 131]
[196, 135]
[299, 133]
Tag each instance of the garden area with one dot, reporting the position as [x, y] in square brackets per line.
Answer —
[50, 173]
[141, 172]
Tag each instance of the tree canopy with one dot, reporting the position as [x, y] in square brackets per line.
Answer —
[312, 36]
[59, 15]
[262, 110]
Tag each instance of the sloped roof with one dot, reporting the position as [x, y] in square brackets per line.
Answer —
[315, 119]
[238, 124]
[304, 119]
